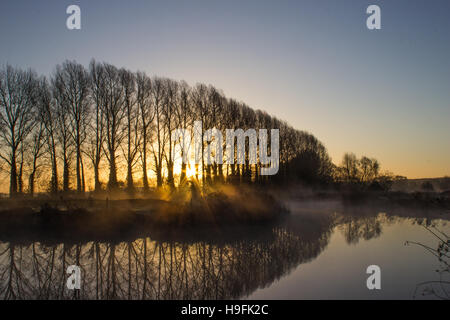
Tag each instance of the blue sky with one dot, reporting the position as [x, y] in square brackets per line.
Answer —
[382, 93]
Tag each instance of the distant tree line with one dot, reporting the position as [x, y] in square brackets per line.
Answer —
[363, 174]
[58, 133]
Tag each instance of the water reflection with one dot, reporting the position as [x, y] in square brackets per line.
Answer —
[152, 269]
[365, 228]
[230, 265]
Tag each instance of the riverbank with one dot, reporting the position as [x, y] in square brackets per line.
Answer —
[192, 215]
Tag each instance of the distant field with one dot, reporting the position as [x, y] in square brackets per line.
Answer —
[425, 184]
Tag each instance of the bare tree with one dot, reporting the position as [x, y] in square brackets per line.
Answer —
[17, 97]
[147, 114]
[350, 167]
[168, 111]
[72, 83]
[184, 119]
[158, 146]
[200, 97]
[114, 114]
[63, 132]
[96, 136]
[369, 169]
[37, 147]
[132, 124]
[230, 121]
[47, 115]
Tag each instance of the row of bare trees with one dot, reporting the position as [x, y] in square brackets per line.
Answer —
[97, 125]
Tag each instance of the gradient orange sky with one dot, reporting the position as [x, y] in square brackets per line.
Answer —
[383, 93]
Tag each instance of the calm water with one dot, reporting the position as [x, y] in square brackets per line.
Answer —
[310, 255]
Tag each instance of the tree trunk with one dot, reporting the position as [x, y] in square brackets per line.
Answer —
[31, 184]
[78, 168]
[170, 178]
[183, 173]
[13, 176]
[54, 179]
[130, 183]
[159, 181]
[83, 181]
[66, 174]
[97, 186]
[20, 176]
[144, 166]
[112, 183]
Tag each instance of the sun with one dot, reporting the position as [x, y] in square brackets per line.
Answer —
[190, 170]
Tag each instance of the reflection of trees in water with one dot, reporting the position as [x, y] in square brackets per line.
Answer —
[367, 227]
[149, 269]
[223, 265]
[35, 271]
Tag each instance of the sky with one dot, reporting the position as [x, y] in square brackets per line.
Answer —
[380, 93]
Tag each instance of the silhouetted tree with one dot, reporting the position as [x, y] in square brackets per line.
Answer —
[96, 136]
[18, 94]
[47, 115]
[146, 116]
[133, 135]
[114, 113]
[71, 81]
